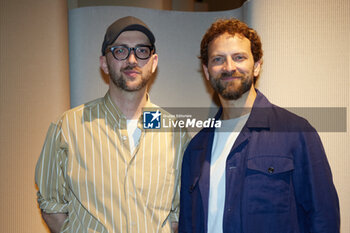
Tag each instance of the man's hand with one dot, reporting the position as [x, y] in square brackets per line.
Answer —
[174, 226]
[54, 221]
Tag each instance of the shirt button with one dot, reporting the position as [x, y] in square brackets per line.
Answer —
[270, 170]
[124, 137]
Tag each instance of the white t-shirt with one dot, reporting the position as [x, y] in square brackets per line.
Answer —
[134, 134]
[224, 138]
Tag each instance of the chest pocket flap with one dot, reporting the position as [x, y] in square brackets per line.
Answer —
[270, 165]
[267, 184]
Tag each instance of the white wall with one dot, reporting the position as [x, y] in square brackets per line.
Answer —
[178, 34]
[306, 62]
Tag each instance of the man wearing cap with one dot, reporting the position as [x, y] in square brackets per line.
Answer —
[99, 170]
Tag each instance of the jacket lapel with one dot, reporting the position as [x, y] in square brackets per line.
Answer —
[204, 162]
[258, 119]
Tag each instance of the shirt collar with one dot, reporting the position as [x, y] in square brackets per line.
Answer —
[117, 115]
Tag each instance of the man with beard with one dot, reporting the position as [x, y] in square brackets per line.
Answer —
[264, 170]
[99, 170]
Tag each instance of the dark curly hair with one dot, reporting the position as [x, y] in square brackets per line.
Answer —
[231, 26]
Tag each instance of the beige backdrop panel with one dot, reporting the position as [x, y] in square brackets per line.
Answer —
[34, 90]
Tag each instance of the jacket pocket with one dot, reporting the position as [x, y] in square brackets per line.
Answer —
[268, 184]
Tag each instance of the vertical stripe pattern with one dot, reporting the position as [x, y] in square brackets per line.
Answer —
[86, 169]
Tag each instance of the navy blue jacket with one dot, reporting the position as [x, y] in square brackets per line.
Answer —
[278, 179]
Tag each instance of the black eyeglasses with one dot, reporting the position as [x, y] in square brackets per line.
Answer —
[122, 52]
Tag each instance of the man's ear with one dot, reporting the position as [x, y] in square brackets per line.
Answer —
[257, 68]
[103, 64]
[206, 72]
[154, 62]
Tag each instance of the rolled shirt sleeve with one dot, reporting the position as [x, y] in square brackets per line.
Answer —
[50, 170]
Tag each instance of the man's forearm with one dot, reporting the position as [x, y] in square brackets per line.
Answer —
[54, 221]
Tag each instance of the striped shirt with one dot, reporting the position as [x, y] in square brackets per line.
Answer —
[86, 170]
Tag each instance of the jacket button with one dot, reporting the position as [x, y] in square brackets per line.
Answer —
[270, 170]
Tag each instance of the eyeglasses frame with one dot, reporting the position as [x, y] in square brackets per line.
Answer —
[151, 47]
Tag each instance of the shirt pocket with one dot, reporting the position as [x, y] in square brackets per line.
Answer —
[268, 184]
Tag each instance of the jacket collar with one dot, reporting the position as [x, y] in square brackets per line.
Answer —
[259, 116]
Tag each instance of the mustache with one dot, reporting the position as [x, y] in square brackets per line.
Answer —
[129, 67]
[232, 74]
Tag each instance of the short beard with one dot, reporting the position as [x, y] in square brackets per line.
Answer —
[120, 82]
[236, 93]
